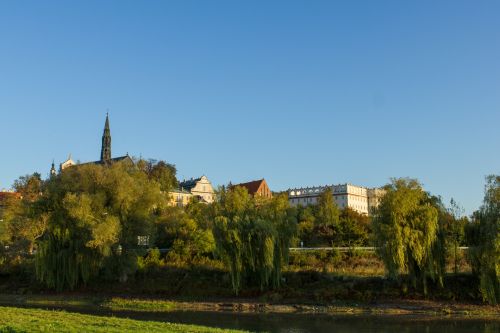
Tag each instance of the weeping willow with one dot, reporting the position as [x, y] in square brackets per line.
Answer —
[64, 262]
[92, 211]
[406, 232]
[254, 241]
[484, 254]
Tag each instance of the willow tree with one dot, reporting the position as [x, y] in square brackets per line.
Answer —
[405, 229]
[96, 214]
[253, 236]
[484, 252]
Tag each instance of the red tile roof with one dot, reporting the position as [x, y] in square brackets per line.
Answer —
[252, 187]
[7, 195]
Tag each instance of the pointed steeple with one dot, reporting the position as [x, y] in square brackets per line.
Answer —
[52, 170]
[106, 142]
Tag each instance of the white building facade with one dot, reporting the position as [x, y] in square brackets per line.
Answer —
[361, 199]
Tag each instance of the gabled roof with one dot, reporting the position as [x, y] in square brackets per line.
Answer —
[253, 186]
[189, 184]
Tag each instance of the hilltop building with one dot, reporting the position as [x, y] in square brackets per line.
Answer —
[361, 199]
[257, 188]
[106, 158]
[180, 197]
[200, 188]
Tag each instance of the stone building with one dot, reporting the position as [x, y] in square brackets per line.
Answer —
[361, 199]
[180, 197]
[196, 187]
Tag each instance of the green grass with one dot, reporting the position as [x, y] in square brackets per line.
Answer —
[130, 304]
[34, 320]
[113, 303]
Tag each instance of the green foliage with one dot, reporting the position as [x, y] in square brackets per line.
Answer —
[23, 219]
[326, 225]
[406, 233]
[354, 229]
[253, 236]
[151, 263]
[327, 211]
[181, 234]
[161, 172]
[92, 210]
[484, 236]
[29, 186]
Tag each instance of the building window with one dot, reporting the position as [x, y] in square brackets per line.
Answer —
[143, 240]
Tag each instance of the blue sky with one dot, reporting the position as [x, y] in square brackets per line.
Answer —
[299, 92]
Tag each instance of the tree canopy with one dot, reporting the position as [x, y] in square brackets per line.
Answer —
[92, 211]
[406, 233]
[253, 236]
[484, 235]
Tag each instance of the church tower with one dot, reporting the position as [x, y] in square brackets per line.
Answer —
[106, 143]
[53, 170]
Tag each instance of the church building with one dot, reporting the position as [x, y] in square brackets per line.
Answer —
[106, 158]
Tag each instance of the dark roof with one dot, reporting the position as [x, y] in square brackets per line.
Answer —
[189, 184]
[180, 190]
[113, 160]
[252, 187]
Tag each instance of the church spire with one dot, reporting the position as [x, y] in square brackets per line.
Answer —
[52, 170]
[106, 143]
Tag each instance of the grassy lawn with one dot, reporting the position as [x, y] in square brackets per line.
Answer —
[34, 320]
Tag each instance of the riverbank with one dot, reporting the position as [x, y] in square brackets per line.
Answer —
[76, 301]
[15, 319]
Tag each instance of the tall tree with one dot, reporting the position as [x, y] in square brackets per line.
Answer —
[406, 233]
[484, 250]
[328, 213]
[253, 236]
[96, 214]
[24, 217]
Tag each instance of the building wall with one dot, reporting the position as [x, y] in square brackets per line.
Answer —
[358, 198]
[66, 164]
[179, 198]
[204, 189]
[264, 191]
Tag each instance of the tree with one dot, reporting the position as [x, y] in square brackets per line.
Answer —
[95, 216]
[327, 211]
[484, 236]
[354, 228]
[253, 236]
[24, 218]
[186, 240]
[160, 171]
[406, 233]
[29, 186]
[306, 225]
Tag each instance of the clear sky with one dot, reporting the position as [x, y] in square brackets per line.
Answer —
[299, 92]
